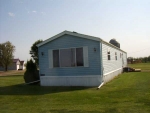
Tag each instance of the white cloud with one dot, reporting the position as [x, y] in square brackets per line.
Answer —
[11, 14]
[43, 13]
[34, 11]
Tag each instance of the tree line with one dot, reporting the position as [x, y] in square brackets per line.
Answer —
[138, 60]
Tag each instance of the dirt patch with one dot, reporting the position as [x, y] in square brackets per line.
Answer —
[14, 72]
[145, 70]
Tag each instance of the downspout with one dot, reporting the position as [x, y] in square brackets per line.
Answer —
[101, 58]
[32, 82]
[100, 85]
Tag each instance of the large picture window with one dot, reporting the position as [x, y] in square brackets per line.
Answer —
[68, 57]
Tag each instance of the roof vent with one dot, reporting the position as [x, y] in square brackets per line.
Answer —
[74, 32]
[114, 42]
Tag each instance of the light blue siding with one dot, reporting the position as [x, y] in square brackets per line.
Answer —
[68, 41]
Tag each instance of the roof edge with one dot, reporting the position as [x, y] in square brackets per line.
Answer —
[50, 39]
[113, 46]
[68, 33]
[78, 35]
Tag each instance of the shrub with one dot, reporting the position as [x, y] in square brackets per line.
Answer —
[31, 74]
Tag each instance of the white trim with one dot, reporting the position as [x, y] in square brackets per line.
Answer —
[68, 48]
[85, 56]
[100, 85]
[112, 71]
[50, 58]
[75, 56]
[76, 59]
[101, 61]
[32, 82]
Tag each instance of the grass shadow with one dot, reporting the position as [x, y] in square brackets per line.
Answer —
[35, 89]
[73, 111]
[10, 75]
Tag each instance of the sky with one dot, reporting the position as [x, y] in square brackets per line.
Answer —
[22, 22]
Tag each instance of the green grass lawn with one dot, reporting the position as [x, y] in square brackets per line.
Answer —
[128, 93]
[142, 66]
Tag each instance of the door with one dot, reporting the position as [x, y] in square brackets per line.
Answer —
[17, 67]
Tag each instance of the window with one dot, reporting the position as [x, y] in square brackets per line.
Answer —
[68, 57]
[79, 56]
[116, 55]
[108, 53]
[55, 58]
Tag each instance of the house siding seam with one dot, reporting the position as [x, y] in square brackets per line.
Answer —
[113, 64]
[68, 41]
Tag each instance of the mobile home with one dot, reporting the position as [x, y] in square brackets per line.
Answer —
[74, 59]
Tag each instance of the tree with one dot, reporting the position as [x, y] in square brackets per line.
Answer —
[34, 51]
[6, 54]
[145, 59]
[31, 74]
[130, 59]
[148, 58]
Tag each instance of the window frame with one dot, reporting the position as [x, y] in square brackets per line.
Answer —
[115, 55]
[75, 57]
[108, 55]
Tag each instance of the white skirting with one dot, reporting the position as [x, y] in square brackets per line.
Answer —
[109, 76]
[92, 80]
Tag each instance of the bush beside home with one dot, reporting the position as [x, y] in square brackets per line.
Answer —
[31, 74]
